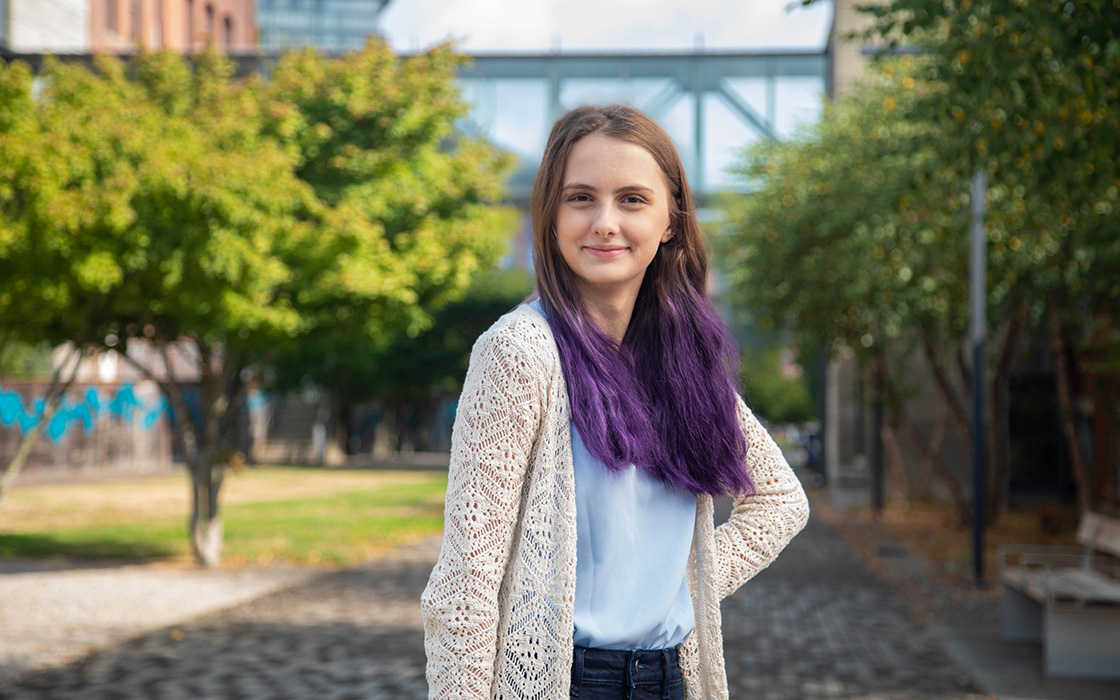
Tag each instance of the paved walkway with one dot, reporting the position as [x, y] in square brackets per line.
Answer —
[50, 615]
[815, 625]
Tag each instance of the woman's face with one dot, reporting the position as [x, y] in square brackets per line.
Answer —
[613, 216]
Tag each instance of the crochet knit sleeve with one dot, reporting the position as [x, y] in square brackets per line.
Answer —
[496, 423]
[762, 523]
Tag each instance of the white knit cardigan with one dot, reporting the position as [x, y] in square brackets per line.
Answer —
[498, 608]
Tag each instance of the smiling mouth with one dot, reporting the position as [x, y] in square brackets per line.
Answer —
[604, 251]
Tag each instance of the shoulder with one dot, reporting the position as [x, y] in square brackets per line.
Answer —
[522, 333]
[520, 344]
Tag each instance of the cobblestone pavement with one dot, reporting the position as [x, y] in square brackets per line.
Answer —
[817, 624]
[814, 625]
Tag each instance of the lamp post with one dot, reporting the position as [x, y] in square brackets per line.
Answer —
[978, 292]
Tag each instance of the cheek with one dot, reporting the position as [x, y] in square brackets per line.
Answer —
[567, 227]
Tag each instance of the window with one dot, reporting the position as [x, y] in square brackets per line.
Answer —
[157, 25]
[210, 20]
[190, 24]
[134, 19]
[228, 32]
[111, 15]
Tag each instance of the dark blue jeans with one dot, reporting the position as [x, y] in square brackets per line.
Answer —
[609, 674]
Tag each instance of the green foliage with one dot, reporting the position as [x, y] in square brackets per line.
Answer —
[436, 360]
[877, 192]
[333, 207]
[24, 361]
[406, 366]
[1028, 91]
[775, 395]
[374, 138]
[855, 230]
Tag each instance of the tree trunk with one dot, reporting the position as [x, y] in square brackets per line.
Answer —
[950, 397]
[1105, 442]
[55, 393]
[964, 372]
[930, 451]
[206, 522]
[997, 455]
[207, 474]
[200, 443]
[1100, 360]
[936, 441]
[895, 467]
[1065, 407]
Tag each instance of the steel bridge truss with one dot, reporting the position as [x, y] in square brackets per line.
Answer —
[525, 93]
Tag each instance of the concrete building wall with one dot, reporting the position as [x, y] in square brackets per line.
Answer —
[846, 57]
[4, 24]
[45, 26]
[102, 430]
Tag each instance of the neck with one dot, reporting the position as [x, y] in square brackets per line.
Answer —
[612, 313]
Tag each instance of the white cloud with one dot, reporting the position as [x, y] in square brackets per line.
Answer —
[536, 25]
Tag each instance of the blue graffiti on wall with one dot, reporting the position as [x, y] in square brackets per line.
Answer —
[123, 405]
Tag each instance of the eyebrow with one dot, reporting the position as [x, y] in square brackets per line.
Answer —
[627, 188]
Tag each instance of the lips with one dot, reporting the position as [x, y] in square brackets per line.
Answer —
[605, 251]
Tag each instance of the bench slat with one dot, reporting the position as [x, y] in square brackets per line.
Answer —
[1065, 585]
[1100, 532]
[1083, 586]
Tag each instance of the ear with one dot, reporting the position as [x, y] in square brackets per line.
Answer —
[665, 237]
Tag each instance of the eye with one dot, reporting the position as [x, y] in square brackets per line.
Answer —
[634, 199]
[579, 197]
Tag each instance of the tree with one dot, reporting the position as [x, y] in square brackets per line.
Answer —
[374, 138]
[854, 237]
[773, 395]
[1028, 91]
[406, 372]
[229, 232]
[165, 208]
[61, 197]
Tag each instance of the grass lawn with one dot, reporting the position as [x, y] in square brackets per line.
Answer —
[270, 514]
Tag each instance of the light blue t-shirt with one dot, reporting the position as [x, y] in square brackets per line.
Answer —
[633, 539]
[634, 535]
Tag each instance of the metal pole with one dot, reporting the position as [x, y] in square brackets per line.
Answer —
[978, 302]
[877, 472]
[698, 124]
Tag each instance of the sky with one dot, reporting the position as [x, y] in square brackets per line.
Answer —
[581, 25]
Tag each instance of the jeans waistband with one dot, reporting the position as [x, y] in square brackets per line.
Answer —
[625, 667]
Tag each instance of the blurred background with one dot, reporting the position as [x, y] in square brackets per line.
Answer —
[253, 241]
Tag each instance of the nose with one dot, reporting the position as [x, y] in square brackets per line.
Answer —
[606, 220]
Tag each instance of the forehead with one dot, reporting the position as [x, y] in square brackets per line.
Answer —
[604, 161]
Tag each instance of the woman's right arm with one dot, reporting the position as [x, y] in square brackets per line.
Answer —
[495, 426]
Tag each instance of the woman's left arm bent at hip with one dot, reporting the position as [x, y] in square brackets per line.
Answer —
[762, 523]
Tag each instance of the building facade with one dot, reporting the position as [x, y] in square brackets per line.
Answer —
[120, 26]
[330, 25]
[45, 26]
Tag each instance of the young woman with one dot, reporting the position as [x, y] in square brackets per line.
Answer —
[596, 423]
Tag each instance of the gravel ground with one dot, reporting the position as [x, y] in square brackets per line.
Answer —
[51, 614]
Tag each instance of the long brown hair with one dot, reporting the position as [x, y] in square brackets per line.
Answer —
[664, 400]
[679, 262]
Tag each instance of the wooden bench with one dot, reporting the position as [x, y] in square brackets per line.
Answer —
[1069, 599]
